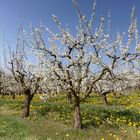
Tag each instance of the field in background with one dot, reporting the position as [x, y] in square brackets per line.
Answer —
[53, 119]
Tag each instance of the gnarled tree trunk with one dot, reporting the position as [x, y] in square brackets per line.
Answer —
[28, 98]
[77, 115]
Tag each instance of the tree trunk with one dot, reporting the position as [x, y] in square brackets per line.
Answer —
[69, 97]
[13, 96]
[115, 94]
[77, 115]
[27, 106]
[2, 96]
[28, 98]
[105, 99]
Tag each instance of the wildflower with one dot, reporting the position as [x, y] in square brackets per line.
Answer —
[125, 131]
[67, 135]
[114, 135]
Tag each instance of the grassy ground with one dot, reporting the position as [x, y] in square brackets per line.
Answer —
[53, 120]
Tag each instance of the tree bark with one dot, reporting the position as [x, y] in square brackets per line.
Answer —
[105, 99]
[69, 97]
[2, 96]
[77, 115]
[28, 98]
[13, 96]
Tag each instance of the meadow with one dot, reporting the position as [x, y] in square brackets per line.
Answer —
[52, 120]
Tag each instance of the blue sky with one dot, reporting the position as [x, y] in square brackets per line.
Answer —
[33, 11]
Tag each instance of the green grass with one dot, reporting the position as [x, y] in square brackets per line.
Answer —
[53, 120]
[12, 127]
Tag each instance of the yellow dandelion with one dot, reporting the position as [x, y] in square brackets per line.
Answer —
[67, 135]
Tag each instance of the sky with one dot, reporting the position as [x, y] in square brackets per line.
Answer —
[12, 11]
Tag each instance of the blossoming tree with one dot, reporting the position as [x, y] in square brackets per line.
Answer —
[24, 71]
[77, 62]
